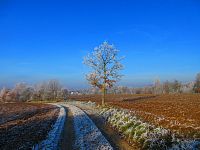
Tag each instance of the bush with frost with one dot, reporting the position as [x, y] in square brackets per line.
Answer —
[147, 135]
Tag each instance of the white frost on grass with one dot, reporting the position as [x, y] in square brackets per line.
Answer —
[87, 135]
[148, 135]
[51, 143]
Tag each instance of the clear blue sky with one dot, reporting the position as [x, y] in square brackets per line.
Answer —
[46, 39]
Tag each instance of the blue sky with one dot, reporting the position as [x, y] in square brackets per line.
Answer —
[46, 39]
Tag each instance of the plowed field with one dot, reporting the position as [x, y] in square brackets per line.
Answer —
[178, 112]
[22, 125]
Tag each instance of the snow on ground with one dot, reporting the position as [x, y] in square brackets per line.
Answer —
[87, 135]
[51, 143]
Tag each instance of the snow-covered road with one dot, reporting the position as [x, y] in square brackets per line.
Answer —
[87, 135]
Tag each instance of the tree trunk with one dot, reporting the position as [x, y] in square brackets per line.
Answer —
[54, 95]
[104, 87]
[103, 96]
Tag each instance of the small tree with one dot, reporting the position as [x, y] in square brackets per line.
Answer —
[157, 87]
[197, 84]
[176, 86]
[40, 89]
[105, 65]
[3, 94]
[166, 87]
[22, 92]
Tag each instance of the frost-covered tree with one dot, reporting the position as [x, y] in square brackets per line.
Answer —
[176, 86]
[197, 84]
[23, 92]
[3, 94]
[106, 65]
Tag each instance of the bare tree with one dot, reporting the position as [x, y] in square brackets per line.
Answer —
[157, 87]
[50, 90]
[40, 89]
[62, 94]
[53, 88]
[106, 65]
[166, 87]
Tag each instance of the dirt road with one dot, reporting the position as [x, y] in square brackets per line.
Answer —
[70, 136]
[86, 135]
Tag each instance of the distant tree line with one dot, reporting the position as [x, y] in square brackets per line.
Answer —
[51, 91]
[166, 87]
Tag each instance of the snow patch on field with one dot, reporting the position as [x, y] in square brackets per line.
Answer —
[51, 143]
[87, 135]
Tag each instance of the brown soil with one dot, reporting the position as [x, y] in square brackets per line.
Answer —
[111, 97]
[23, 125]
[178, 112]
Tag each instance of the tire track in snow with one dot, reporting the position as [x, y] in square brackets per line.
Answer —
[87, 135]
